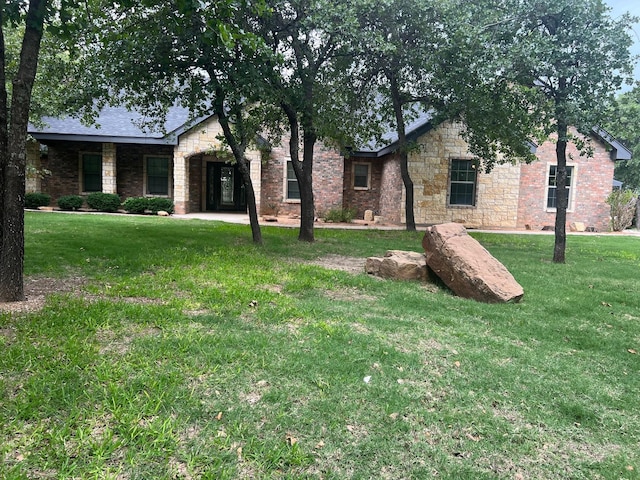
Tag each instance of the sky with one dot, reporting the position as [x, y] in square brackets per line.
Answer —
[618, 7]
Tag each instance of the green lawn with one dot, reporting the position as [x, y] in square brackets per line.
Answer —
[188, 352]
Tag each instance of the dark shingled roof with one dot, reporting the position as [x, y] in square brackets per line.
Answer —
[115, 124]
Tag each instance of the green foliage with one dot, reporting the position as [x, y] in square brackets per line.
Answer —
[154, 205]
[157, 204]
[35, 200]
[70, 202]
[103, 202]
[137, 205]
[623, 208]
[340, 215]
[624, 124]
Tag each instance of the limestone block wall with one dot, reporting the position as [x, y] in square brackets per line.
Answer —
[496, 204]
[392, 190]
[200, 139]
[592, 183]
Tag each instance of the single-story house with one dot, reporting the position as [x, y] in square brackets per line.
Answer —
[187, 161]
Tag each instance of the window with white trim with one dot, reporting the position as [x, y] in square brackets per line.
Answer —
[91, 172]
[462, 183]
[293, 189]
[552, 188]
[157, 175]
[361, 176]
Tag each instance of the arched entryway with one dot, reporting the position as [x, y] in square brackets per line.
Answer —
[224, 190]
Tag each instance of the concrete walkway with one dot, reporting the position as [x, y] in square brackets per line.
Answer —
[243, 218]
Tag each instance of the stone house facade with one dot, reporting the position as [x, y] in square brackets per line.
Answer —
[190, 165]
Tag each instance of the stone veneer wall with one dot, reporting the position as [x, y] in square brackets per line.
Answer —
[496, 194]
[203, 138]
[328, 167]
[592, 183]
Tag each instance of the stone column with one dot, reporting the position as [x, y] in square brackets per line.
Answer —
[255, 169]
[180, 181]
[109, 182]
[33, 180]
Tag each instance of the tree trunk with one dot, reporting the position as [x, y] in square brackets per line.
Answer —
[238, 149]
[303, 170]
[13, 158]
[305, 180]
[562, 199]
[404, 155]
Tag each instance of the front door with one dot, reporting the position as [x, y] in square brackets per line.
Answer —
[225, 191]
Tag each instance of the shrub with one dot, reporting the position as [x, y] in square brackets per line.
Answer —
[623, 209]
[159, 203]
[103, 202]
[337, 215]
[70, 202]
[136, 204]
[35, 200]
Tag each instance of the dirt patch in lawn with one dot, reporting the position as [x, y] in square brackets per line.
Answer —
[353, 265]
[36, 290]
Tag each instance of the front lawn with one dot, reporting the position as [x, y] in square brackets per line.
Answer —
[184, 351]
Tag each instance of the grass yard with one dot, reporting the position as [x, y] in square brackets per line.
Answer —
[182, 351]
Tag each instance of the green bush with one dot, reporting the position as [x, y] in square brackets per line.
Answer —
[159, 203]
[35, 200]
[70, 202]
[340, 215]
[103, 202]
[136, 205]
[623, 209]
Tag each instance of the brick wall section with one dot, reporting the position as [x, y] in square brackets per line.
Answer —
[592, 183]
[385, 195]
[392, 190]
[363, 200]
[130, 167]
[63, 160]
[328, 168]
[496, 194]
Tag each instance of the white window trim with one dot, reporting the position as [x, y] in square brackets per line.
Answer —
[353, 175]
[81, 154]
[572, 189]
[285, 184]
[144, 176]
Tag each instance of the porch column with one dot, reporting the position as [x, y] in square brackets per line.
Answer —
[255, 169]
[33, 180]
[109, 182]
[180, 181]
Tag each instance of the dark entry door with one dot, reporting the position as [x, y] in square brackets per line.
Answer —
[225, 191]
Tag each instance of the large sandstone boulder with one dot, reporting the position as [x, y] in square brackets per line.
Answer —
[398, 265]
[466, 267]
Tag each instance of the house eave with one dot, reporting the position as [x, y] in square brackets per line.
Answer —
[61, 137]
[618, 150]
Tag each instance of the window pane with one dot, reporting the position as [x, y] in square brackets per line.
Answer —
[293, 189]
[463, 183]
[361, 176]
[91, 172]
[158, 175]
[552, 190]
